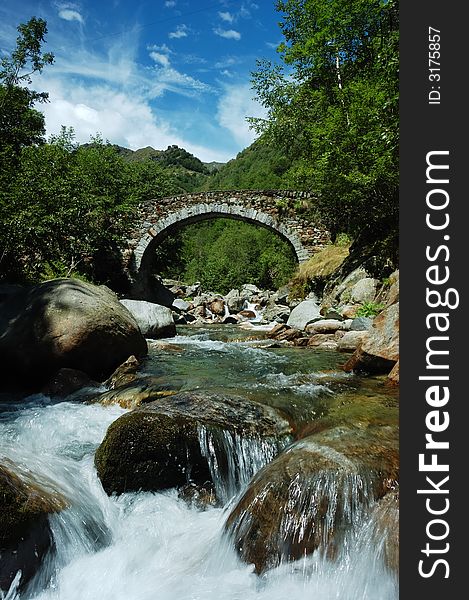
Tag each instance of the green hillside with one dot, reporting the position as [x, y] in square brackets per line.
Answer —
[260, 166]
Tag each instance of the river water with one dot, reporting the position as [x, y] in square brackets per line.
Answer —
[154, 546]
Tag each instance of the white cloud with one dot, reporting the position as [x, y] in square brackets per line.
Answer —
[226, 16]
[181, 32]
[161, 59]
[226, 62]
[163, 48]
[233, 107]
[229, 34]
[123, 118]
[170, 3]
[71, 15]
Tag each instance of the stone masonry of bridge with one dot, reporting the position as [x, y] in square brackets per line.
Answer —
[284, 212]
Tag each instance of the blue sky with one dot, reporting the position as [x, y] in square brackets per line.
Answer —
[151, 73]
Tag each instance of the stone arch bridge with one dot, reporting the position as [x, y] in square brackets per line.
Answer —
[283, 212]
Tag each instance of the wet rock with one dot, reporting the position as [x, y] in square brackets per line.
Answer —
[135, 393]
[25, 537]
[157, 445]
[247, 314]
[66, 382]
[351, 340]
[231, 320]
[302, 341]
[66, 323]
[155, 321]
[308, 497]
[124, 374]
[306, 312]
[198, 496]
[361, 324]
[384, 530]
[380, 350]
[276, 330]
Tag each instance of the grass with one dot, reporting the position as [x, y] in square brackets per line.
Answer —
[320, 266]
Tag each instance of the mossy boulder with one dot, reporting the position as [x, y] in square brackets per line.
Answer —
[25, 536]
[66, 323]
[310, 496]
[157, 445]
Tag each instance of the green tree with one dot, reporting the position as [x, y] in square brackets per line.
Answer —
[224, 253]
[20, 123]
[333, 104]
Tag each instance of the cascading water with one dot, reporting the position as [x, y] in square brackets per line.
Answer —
[143, 546]
[234, 459]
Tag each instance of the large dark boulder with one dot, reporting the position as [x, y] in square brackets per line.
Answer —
[312, 494]
[66, 323]
[165, 443]
[25, 537]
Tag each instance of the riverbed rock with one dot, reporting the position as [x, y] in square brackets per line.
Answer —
[155, 321]
[383, 530]
[234, 301]
[305, 313]
[341, 293]
[276, 312]
[351, 340]
[217, 307]
[247, 314]
[392, 295]
[361, 324]
[307, 498]
[25, 537]
[324, 326]
[135, 392]
[349, 311]
[320, 338]
[124, 374]
[393, 376]
[158, 445]
[181, 305]
[379, 352]
[66, 323]
[66, 382]
[364, 290]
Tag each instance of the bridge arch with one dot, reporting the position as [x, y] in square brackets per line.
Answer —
[279, 211]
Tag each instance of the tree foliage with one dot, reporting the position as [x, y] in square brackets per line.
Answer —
[66, 205]
[20, 124]
[333, 105]
[223, 254]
